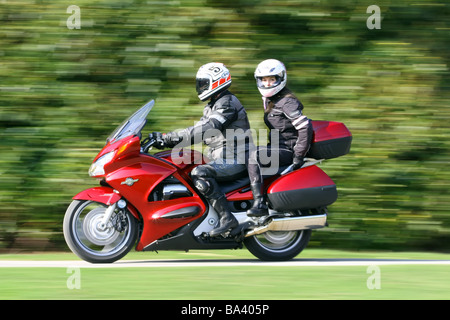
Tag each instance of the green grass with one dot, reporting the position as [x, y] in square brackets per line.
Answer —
[237, 254]
[397, 282]
[255, 283]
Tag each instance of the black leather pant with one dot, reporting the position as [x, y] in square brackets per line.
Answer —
[206, 177]
[267, 157]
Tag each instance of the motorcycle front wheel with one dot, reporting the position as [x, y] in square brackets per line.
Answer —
[278, 245]
[86, 238]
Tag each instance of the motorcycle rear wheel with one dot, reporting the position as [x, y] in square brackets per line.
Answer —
[91, 243]
[278, 245]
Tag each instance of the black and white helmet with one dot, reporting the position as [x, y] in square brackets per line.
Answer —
[212, 78]
[274, 68]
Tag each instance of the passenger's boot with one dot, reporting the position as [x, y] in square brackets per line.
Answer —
[259, 207]
[227, 220]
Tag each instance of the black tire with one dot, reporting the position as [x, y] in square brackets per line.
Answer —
[91, 244]
[278, 245]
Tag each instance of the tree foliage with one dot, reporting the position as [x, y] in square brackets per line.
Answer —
[63, 90]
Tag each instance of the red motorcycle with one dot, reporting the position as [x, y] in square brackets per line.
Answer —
[151, 200]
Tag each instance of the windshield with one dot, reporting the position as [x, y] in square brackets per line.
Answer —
[133, 125]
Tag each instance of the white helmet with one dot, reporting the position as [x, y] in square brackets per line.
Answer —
[271, 67]
[212, 78]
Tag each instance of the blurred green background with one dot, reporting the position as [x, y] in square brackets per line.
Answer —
[62, 91]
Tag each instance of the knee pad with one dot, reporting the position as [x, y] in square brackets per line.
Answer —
[203, 171]
[203, 186]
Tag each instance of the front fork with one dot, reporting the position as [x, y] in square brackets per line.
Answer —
[108, 214]
[121, 204]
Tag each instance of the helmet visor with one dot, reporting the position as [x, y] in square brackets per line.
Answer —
[202, 84]
[268, 82]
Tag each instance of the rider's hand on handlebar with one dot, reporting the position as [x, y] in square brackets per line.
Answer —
[158, 137]
[171, 139]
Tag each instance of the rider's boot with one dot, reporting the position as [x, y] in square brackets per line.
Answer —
[259, 208]
[227, 220]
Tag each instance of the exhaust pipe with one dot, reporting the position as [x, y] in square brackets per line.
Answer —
[291, 224]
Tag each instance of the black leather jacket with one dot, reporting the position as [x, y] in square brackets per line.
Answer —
[295, 129]
[224, 128]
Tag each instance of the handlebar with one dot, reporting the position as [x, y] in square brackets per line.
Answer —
[146, 144]
[154, 138]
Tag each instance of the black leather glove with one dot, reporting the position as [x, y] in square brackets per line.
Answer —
[159, 144]
[171, 139]
[298, 162]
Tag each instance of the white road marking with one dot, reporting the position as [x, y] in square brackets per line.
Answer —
[218, 263]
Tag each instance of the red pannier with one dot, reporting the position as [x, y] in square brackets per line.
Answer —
[306, 188]
[331, 140]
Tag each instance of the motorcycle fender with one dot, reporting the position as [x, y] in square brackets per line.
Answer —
[99, 194]
[104, 195]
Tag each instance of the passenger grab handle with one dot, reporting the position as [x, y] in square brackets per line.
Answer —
[287, 170]
[308, 162]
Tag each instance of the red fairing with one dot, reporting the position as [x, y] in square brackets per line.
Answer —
[157, 225]
[309, 177]
[185, 159]
[146, 172]
[99, 194]
[130, 147]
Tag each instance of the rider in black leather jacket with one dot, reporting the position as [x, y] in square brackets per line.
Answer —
[225, 129]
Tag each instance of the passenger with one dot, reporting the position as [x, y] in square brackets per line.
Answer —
[282, 112]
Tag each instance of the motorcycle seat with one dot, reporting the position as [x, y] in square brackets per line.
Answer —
[228, 186]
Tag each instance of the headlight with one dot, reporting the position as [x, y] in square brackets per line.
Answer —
[96, 168]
